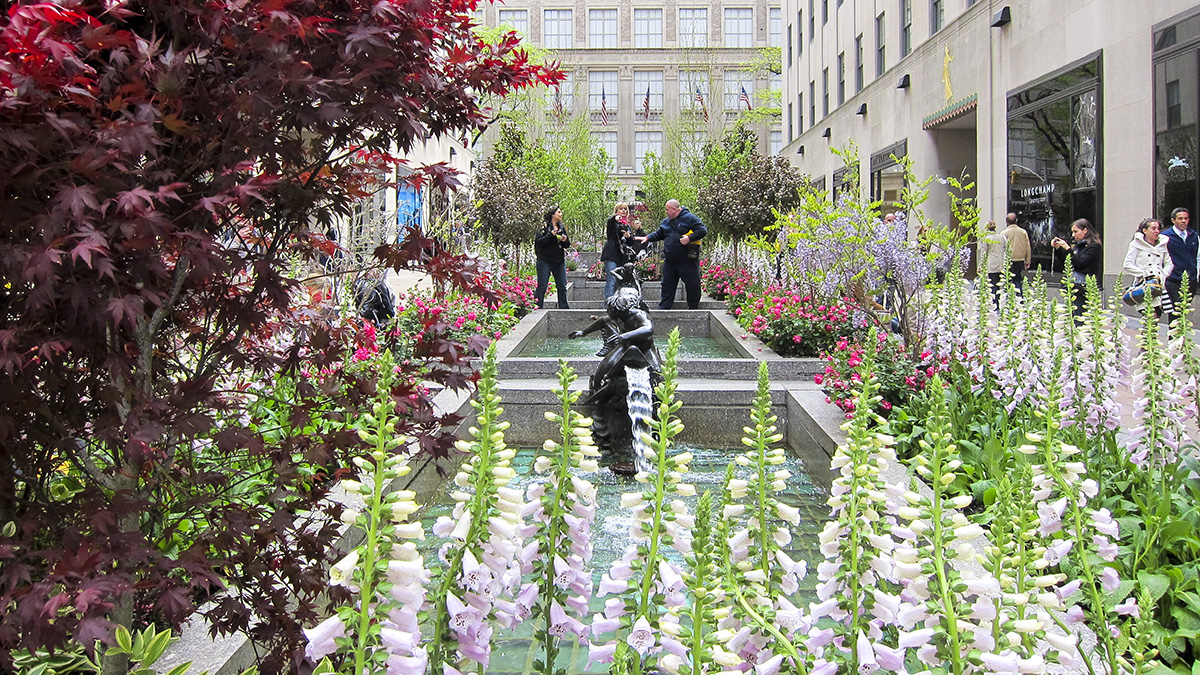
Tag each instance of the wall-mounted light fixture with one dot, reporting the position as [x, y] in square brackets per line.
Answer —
[904, 83]
[862, 109]
[1002, 18]
[828, 133]
[800, 150]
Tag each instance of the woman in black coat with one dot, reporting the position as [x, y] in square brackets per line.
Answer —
[1087, 259]
[612, 256]
[549, 246]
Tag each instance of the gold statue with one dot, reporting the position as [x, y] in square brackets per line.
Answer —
[946, 75]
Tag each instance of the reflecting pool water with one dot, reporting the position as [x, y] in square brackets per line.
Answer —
[689, 347]
[514, 652]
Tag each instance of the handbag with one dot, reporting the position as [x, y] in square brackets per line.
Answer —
[693, 251]
[1150, 287]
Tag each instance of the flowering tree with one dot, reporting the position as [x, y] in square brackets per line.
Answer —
[161, 163]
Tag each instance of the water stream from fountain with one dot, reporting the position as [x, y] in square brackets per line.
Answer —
[640, 401]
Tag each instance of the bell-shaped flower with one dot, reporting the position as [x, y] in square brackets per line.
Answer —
[770, 666]
[398, 664]
[562, 623]
[1128, 608]
[1109, 579]
[1050, 516]
[342, 572]
[600, 653]
[321, 638]
[1005, 662]
[641, 637]
[790, 514]
[602, 625]
[609, 585]
[865, 652]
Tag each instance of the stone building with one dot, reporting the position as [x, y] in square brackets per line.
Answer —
[1059, 109]
[646, 73]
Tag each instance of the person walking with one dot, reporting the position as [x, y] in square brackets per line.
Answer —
[679, 232]
[991, 257]
[1147, 258]
[1182, 245]
[549, 246]
[1086, 259]
[618, 233]
[1020, 252]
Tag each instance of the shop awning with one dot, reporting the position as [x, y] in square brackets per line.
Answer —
[953, 111]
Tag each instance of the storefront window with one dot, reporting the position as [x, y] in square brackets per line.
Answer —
[1054, 157]
[887, 176]
[1176, 101]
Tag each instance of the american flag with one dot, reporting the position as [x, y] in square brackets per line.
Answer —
[745, 98]
[700, 100]
[646, 104]
[603, 108]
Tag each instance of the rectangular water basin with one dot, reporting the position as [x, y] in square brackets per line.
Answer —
[586, 346]
[515, 651]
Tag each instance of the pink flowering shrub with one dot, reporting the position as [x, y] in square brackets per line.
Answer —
[725, 282]
[798, 325]
[464, 319]
[898, 374]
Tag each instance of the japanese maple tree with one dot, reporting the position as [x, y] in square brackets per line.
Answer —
[160, 164]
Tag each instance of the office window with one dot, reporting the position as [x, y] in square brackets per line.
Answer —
[602, 82]
[812, 103]
[648, 81]
[775, 27]
[791, 122]
[799, 113]
[563, 94]
[739, 27]
[647, 28]
[841, 90]
[556, 29]
[937, 15]
[775, 82]
[607, 140]
[825, 92]
[905, 27]
[789, 51]
[517, 19]
[693, 27]
[602, 28]
[858, 64]
[1174, 104]
[645, 143]
[477, 17]
[880, 61]
[735, 81]
[691, 81]
[776, 141]
[812, 21]
[824, 12]
[799, 33]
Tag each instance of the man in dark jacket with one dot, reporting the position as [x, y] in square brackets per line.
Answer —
[681, 255]
[1182, 245]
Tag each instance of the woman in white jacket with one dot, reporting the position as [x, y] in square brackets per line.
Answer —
[1147, 257]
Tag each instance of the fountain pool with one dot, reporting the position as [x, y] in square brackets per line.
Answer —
[515, 651]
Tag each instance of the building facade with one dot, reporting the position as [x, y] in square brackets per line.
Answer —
[647, 73]
[1058, 109]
